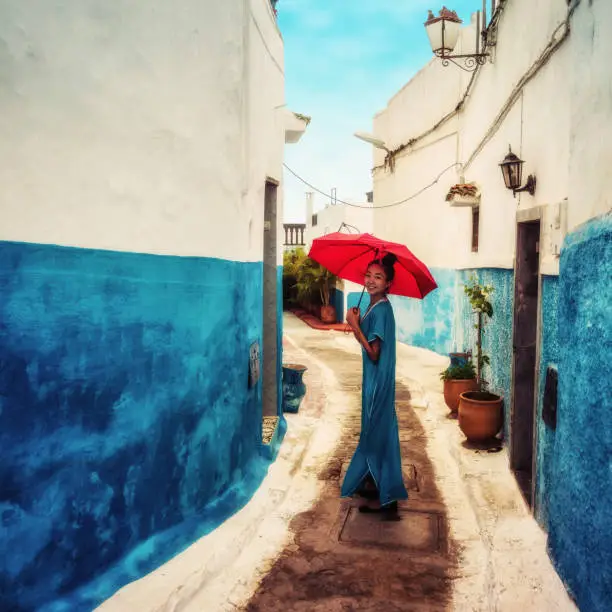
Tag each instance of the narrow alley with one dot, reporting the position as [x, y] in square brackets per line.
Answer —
[465, 541]
[197, 198]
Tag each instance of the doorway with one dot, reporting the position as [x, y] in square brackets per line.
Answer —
[270, 316]
[525, 356]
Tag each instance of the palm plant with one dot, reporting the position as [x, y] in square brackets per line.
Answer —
[314, 281]
[292, 263]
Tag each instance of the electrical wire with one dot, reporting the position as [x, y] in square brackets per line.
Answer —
[414, 195]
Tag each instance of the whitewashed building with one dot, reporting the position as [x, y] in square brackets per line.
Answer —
[544, 91]
[141, 197]
[333, 217]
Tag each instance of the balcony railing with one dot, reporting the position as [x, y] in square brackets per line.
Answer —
[294, 234]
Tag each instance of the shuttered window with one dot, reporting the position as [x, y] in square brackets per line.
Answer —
[475, 227]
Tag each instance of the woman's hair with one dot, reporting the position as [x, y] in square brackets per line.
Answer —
[386, 263]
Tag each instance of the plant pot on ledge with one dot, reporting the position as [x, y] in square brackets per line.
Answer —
[328, 314]
[480, 415]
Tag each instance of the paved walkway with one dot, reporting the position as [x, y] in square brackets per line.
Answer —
[466, 542]
[339, 559]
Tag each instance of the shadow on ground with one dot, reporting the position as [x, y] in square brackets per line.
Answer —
[341, 560]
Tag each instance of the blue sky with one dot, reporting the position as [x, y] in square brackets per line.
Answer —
[344, 59]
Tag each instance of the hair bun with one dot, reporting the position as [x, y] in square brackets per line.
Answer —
[389, 259]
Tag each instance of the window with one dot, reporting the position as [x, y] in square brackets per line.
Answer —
[314, 220]
[475, 227]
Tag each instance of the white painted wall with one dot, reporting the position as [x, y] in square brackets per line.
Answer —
[330, 218]
[590, 180]
[145, 127]
[562, 139]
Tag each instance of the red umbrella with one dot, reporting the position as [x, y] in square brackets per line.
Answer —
[348, 255]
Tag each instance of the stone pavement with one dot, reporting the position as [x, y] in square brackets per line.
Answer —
[466, 541]
[340, 559]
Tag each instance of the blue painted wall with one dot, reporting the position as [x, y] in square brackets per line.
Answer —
[279, 340]
[549, 357]
[353, 299]
[429, 323]
[579, 514]
[127, 428]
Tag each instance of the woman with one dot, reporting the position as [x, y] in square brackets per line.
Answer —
[378, 454]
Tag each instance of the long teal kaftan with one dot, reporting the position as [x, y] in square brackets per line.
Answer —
[378, 451]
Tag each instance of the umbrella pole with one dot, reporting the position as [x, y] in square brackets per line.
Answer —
[360, 298]
[347, 330]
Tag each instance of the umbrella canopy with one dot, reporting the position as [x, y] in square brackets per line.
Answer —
[348, 256]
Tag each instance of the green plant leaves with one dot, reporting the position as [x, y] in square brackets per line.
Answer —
[459, 372]
[478, 296]
[312, 280]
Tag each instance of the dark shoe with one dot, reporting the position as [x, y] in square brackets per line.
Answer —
[369, 510]
[390, 513]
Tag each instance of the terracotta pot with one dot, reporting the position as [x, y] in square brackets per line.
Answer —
[454, 387]
[328, 314]
[480, 415]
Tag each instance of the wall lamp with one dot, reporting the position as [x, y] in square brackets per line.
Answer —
[377, 142]
[443, 32]
[512, 170]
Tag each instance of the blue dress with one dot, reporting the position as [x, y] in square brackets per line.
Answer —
[378, 451]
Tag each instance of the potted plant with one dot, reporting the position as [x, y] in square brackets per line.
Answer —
[314, 287]
[480, 410]
[458, 379]
[463, 194]
[328, 310]
[292, 260]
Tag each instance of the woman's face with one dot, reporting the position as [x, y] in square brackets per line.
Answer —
[376, 280]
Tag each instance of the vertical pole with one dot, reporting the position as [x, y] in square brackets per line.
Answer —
[479, 353]
[443, 28]
[477, 32]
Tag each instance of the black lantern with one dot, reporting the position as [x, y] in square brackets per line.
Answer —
[512, 170]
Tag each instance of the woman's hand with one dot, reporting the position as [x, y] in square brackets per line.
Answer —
[353, 318]
[372, 349]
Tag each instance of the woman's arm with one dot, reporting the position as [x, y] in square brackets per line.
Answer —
[372, 349]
